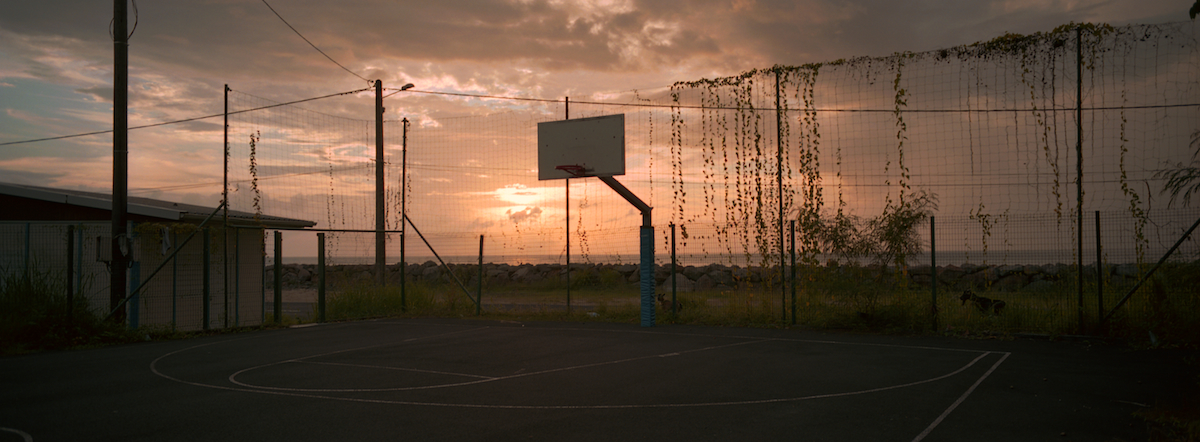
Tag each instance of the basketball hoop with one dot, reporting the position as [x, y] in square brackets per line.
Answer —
[573, 169]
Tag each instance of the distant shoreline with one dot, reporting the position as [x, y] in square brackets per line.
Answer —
[1029, 257]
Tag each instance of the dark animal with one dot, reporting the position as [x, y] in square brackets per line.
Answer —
[981, 303]
[666, 305]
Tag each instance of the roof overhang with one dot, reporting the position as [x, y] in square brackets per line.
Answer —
[87, 201]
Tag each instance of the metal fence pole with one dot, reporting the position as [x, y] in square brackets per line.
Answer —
[674, 279]
[237, 276]
[27, 250]
[174, 283]
[793, 281]
[479, 289]
[70, 273]
[278, 277]
[321, 277]
[933, 310]
[1079, 163]
[779, 182]
[1099, 278]
[204, 274]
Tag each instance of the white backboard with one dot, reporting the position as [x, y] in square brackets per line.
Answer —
[596, 143]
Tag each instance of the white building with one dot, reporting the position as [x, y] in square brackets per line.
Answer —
[41, 229]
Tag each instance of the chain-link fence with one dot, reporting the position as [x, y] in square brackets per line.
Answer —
[991, 277]
[212, 281]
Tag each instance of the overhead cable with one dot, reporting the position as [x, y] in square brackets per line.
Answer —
[183, 120]
[313, 45]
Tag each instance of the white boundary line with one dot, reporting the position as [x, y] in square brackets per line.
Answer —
[235, 374]
[23, 434]
[484, 380]
[960, 400]
[307, 394]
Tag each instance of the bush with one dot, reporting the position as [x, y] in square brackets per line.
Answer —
[35, 314]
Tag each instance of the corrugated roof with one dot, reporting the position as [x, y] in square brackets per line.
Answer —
[165, 210]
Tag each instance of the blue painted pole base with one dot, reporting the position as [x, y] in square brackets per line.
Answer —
[647, 273]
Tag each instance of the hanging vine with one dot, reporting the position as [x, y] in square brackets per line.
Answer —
[677, 186]
[1013, 99]
[900, 102]
[254, 140]
[809, 216]
[1135, 204]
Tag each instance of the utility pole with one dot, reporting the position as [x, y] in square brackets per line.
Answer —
[380, 236]
[120, 188]
[403, 212]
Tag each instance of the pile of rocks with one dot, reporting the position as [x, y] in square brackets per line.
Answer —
[693, 278]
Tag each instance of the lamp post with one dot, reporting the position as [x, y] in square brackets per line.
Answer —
[380, 217]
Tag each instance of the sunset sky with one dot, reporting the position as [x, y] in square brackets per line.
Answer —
[56, 61]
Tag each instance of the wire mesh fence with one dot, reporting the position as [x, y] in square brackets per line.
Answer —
[1013, 145]
[1041, 289]
[212, 281]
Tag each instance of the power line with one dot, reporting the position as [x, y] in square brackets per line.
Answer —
[771, 109]
[183, 120]
[646, 105]
[311, 44]
[260, 179]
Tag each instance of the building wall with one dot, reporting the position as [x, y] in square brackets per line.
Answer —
[40, 249]
[173, 297]
[176, 295]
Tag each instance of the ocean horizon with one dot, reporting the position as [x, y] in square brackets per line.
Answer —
[959, 257]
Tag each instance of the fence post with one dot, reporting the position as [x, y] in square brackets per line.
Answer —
[204, 274]
[479, 289]
[237, 276]
[321, 277]
[793, 282]
[27, 259]
[779, 182]
[1079, 162]
[174, 283]
[70, 273]
[933, 310]
[1099, 278]
[674, 279]
[278, 277]
[646, 271]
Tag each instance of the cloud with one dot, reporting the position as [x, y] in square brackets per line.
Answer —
[528, 214]
[182, 54]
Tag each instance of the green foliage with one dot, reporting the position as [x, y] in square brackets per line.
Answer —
[893, 236]
[1183, 179]
[888, 239]
[35, 315]
[255, 138]
[367, 300]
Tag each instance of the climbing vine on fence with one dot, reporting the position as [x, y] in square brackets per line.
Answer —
[254, 140]
[1025, 82]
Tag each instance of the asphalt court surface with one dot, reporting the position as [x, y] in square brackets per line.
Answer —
[439, 379]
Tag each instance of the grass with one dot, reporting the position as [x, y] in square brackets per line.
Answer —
[1163, 313]
[35, 315]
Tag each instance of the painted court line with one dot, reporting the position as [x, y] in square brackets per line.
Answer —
[461, 384]
[232, 377]
[960, 399]
[595, 407]
[17, 432]
[308, 393]
[381, 367]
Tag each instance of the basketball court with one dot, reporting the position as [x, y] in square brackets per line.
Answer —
[500, 380]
